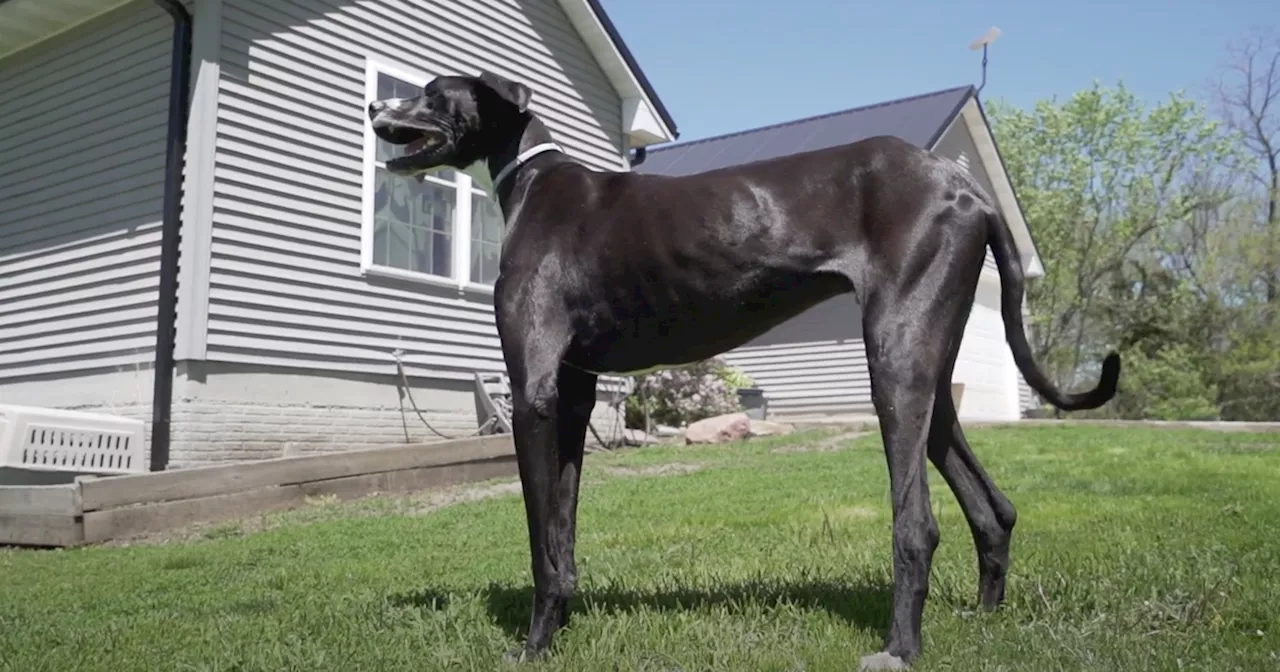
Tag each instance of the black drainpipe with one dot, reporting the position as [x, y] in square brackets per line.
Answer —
[170, 232]
[639, 157]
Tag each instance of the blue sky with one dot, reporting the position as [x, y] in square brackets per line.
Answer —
[727, 65]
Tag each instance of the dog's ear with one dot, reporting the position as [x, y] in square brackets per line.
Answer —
[513, 92]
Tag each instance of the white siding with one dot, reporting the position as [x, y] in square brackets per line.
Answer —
[82, 129]
[985, 365]
[1027, 397]
[958, 142]
[286, 287]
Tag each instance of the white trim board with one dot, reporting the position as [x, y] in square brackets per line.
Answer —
[982, 138]
[192, 330]
[641, 122]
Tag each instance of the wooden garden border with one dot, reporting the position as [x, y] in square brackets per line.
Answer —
[96, 509]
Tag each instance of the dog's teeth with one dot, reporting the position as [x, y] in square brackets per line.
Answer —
[416, 146]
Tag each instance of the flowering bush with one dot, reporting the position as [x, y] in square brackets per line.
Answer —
[679, 396]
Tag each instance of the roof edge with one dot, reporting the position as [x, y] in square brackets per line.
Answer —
[996, 146]
[802, 120]
[1006, 195]
[951, 118]
[628, 61]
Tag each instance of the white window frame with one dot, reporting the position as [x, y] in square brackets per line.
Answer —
[462, 215]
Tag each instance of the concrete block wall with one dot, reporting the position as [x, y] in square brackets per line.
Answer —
[125, 392]
[227, 413]
[235, 413]
[212, 431]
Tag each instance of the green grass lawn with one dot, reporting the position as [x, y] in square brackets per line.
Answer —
[1135, 549]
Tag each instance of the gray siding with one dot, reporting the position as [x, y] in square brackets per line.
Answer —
[82, 128]
[813, 363]
[286, 286]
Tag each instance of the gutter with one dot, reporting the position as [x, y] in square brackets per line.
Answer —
[170, 232]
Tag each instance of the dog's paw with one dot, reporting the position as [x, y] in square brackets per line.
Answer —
[881, 661]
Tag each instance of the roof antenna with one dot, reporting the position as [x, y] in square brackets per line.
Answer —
[983, 41]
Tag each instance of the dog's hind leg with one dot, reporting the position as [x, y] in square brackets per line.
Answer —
[551, 406]
[990, 515]
[909, 334]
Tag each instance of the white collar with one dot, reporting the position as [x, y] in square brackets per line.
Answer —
[521, 158]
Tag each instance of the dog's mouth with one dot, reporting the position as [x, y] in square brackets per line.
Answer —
[419, 155]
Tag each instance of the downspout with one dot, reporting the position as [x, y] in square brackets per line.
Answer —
[170, 232]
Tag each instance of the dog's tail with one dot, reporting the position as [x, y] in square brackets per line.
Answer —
[1012, 286]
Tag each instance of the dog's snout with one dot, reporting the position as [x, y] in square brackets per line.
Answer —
[377, 107]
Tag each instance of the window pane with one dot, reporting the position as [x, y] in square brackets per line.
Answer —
[387, 86]
[484, 262]
[391, 87]
[486, 217]
[381, 240]
[442, 254]
[399, 246]
[413, 224]
[487, 227]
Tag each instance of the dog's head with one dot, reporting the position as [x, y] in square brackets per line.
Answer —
[456, 122]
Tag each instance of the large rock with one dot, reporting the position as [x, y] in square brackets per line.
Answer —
[719, 429]
[766, 428]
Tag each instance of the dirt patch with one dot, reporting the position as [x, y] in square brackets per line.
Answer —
[434, 500]
[839, 441]
[855, 512]
[328, 508]
[654, 470]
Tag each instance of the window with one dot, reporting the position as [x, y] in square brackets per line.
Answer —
[441, 230]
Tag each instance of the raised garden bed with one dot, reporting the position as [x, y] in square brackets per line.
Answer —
[96, 509]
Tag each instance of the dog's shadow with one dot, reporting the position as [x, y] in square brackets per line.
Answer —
[865, 606]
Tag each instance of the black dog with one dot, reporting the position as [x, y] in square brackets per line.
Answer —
[605, 272]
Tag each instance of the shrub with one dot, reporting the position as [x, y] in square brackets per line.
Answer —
[679, 396]
[1166, 386]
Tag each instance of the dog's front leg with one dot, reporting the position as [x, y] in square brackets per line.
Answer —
[551, 408]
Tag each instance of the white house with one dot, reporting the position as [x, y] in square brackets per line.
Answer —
[816, 362]
[295, 269]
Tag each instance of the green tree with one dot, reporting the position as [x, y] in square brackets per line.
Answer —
[1248, 98]
[1103, 180]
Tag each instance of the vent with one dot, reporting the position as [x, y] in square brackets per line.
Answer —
[47, 439]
